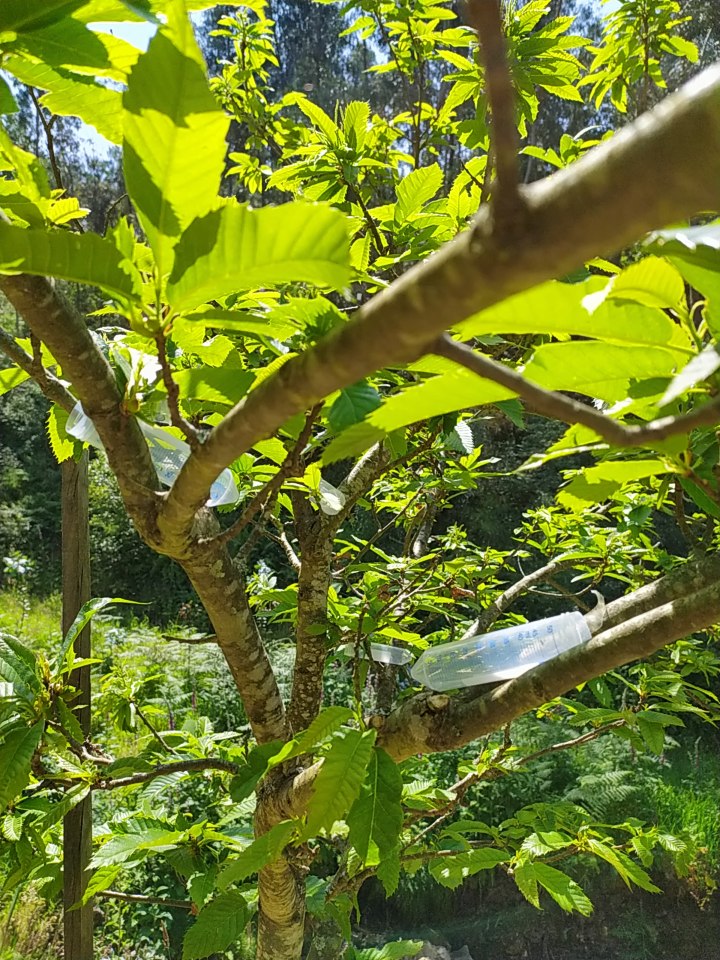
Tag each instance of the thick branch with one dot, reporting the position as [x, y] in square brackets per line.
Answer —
[559, 407]
[641, 179]
[430, 723]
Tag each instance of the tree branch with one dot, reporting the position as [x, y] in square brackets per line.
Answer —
[177, 766]
[556, 406]
[486, 17]
[51, 387]
[642, 179]
[506, 599]
[142, 898]
[430, 723]
[173, 394]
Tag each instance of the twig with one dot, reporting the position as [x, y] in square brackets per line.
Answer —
[179, 766]
[141, 898]
[500, 604]
[291, 466]
[49, 384]
[115, 203]
[205, 638]
[282, 539]
[49, 139]
[569, 744]
[369, 219]
[486, 17]
[551, 404]
[680, 517]
[156, 734]
[173, 392]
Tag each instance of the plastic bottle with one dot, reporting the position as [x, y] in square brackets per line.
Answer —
[167, 452]
[500, 655]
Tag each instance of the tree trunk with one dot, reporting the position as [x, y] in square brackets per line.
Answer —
[77, 825]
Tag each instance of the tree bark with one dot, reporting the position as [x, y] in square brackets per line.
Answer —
[77, 825]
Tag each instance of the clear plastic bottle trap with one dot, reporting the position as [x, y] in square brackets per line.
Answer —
[500, 655]
[167, 452]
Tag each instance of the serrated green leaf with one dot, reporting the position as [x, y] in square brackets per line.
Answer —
[602, 481]
[19, 667]
[564, 891]
[327, 722]
[70, 95]
[234, 248]
[377, 816]
[214, 384]
[388, 872]
[60, 444]
[524, 877]
[69, 721]
[7, 100]
[83, 618]
[126, 847]
[704, 365]
[258, 854]
[600, 370]
[628, 870]
[67, 43]
[174, 136]
[356, 119]
[17, 15]
[11, 377]
[415, 190]
[653, 282]
[563, 309]
[83, 258]
[102, 879]
[438, 395]
[244, 323]
[219, 924]
[452, 871]
[340, 778]
[652, 733]
[399, 950]
[17, 748]
[697, 245]
[698, 496]
[352, 405]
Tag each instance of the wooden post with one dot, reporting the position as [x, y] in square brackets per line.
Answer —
[77, 825]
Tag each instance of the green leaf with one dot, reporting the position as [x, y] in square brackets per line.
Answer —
[443, 394]
[600, 370]
[652, 733]
[326, 723]
[388, 872]
[16, 752]
[707, 283]
[356, 120]
[102, 879]
[126, 847]
[452, 871]
[174, 136]
[244, 323]
[68, 43]
[698, 496]
[704, 365]
[11, 377]
[218, 926]
[563, 309]
[256, 855]
[602, 481]
[19, 667]
[697, 245]
[352, 405]
[341, 776]
[60, 444]
[69, 721]
[214, 384]
[83, 258]
[398, 950]
[653, 282]
[564, 891]
[234, 248]
[415, 190]
[7, 100]
[17, 15]
[524, 877]
[377, 814]
[83, 618]
[70, 95]
[628, 870]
